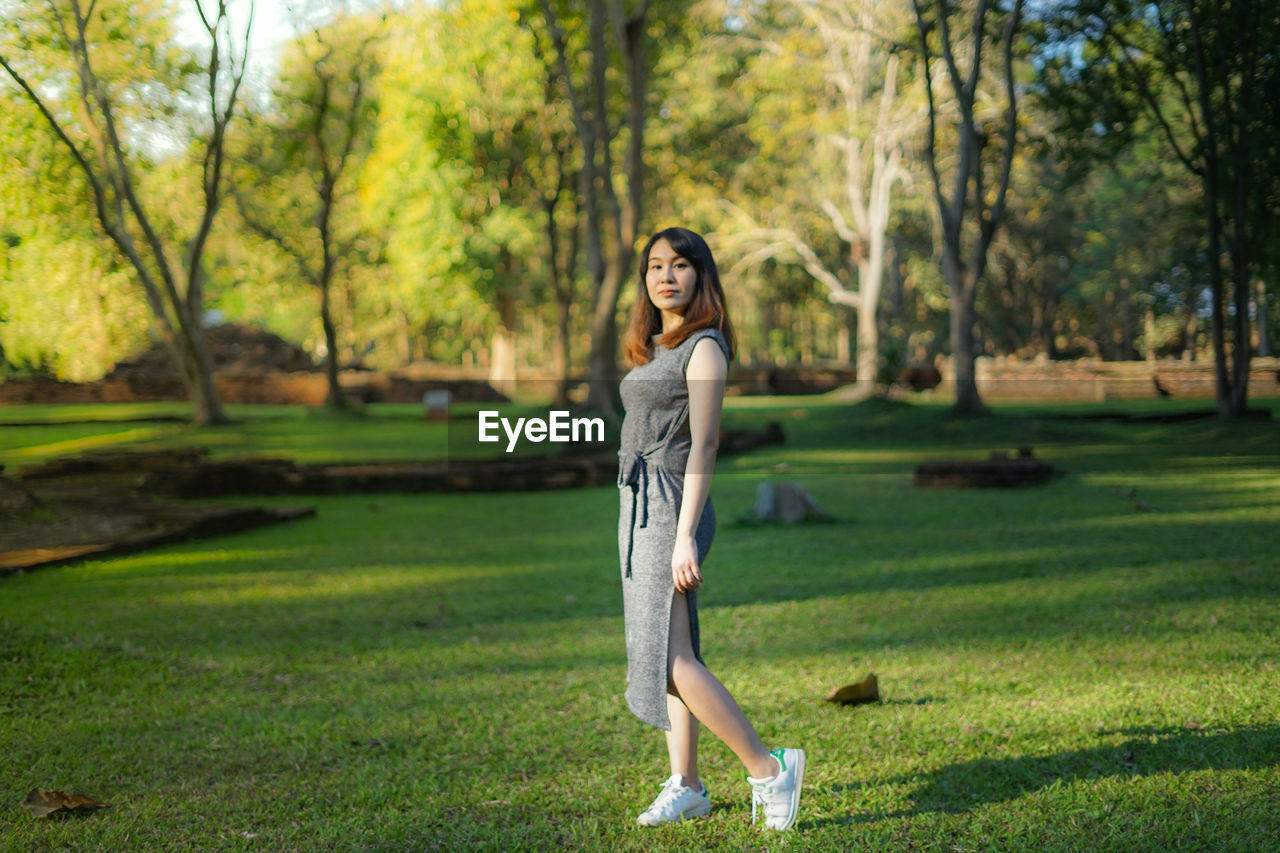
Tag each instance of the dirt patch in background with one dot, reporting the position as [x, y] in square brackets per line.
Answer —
[233, 349]
[58, 520]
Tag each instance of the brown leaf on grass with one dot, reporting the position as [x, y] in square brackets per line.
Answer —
[866, 690]
[42, 803]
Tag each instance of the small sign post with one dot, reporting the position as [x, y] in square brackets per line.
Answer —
[436, 404]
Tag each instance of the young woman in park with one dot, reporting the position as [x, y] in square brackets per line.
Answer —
[680, 343]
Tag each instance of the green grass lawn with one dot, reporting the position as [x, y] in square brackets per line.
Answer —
[1060, 669]
[385, 432]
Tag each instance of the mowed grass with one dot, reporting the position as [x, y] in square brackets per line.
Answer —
[384, 432]
[1061, 669]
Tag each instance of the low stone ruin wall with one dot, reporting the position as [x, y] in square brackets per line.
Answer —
[1092, 380]
[1084, 380]
[309, 389]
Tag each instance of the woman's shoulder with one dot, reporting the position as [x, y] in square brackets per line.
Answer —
[690, 343]
[709, 332]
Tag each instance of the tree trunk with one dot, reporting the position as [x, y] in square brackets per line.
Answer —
[1241, 147]
[561, 269]
[963, 361]
[502, 366]
[870, 276]
[405, 344]
[1126, 321]
[868, 347]
[1263, 318]
[335, 399]
[845, 318]
[188, 346]
[969, 196]
[602, 363]
[963, 355]
[562, 287]
[1011, 338]
[898, 294]
[1191, 329]
[1149, 335]
[1105, 337]
[1217, 318]
[1048, 317]
[561, 362]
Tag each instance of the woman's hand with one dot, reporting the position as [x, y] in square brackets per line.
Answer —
[684, 564]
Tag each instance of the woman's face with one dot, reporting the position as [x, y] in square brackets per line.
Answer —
[670, 279]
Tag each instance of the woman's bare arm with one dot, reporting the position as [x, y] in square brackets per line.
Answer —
[706, 376]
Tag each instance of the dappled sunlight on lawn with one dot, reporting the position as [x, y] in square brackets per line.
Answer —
[1237, 473]
[269, 587]
[1015, 561]
[817, 461]
[275, 588]
[167, 559]
[58, 413]
[89, 442]
[1243, 515]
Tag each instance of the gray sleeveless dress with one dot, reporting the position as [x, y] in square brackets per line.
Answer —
[654, 451]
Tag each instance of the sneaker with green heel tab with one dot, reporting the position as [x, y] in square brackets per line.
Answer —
[779, 795]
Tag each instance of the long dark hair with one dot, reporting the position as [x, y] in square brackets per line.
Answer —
[706, 310]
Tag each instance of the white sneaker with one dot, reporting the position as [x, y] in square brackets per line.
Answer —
[675, 803]
[779, 795]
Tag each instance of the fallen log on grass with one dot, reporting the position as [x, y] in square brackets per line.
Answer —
[999, 471]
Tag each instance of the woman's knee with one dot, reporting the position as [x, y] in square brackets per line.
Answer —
[680, 670]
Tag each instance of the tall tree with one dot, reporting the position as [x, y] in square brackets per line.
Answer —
[474, 171]
[555, 168]
[66, 40]
[612, 215]
[853, 138]
[557, 179]
[301, 161]
[971, 200]
[1206, 71]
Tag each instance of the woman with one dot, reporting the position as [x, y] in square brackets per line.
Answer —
[680, 341]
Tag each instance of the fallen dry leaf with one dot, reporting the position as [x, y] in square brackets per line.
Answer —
[42, 803]
[866, 690]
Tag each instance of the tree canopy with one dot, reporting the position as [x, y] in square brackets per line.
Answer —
[467, 182]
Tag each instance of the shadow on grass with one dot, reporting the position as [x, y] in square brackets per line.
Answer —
[965, 786]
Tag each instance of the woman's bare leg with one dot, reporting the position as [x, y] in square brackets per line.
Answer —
[708, 700]
[682, 742]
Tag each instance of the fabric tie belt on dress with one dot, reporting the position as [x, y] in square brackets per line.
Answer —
[633, 471]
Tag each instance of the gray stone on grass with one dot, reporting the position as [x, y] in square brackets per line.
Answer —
[788, 503]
